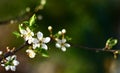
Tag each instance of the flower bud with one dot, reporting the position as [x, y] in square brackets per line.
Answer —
[59, 32]
[63, 31]
[49, 28]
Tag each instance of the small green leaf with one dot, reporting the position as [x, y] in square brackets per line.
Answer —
[44, 53]
[20, 27]
[68, 38]
[32, 20]
[118, 51]
[111, 42]
[26, 23]
[57, 35]
[16, 33]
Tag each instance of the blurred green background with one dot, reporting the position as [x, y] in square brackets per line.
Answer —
[88, 22]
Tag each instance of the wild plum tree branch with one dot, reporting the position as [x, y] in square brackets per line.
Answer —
[37, 44]
[93, 49]
[73, 45]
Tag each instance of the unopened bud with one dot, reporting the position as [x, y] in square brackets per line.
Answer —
[49, 28]
[21, 24]
[43, 2]
[63, 31]
[59, 32]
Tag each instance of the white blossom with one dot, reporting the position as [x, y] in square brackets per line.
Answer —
[10, 63]
[40, 41]
[27, 34]
[31, 53]
[62, 44]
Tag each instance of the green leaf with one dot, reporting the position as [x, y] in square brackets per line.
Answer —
[41, 51]
[68, 38]
[118, 51]
[111, 42]
[16, 33]
[26, 23]
[44, 53]
[20, 27]
[32, 20]
[57, 35]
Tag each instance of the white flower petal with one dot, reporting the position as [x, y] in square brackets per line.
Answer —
[32, 33]
[23, 32]
[28, 50]
[44, 46]
[13, 56]
[58, 45]
[40, 35]
[28, 29]
[2, 64]
[8, 58]
[15, 62]
[59, 41]
[30, 41]
[13, 68]
[7, 68]
[63, 40]
[46, 40]
[35, 40]
[67, 45]
[36, 45]
[31, 53]
[63, 49]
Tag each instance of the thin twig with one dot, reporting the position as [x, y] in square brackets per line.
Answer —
[13, 52]
[93, 49]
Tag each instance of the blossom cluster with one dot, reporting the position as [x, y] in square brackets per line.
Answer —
[61, 43]
[10, 62]
[36, 42]
[60, 39]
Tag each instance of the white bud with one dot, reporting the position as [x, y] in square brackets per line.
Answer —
[56, 39]
[21, 24]
[11, 21]
[28, 9]
[63, 31]
[43, 2]
[59, 32]
[49, 27]
[40, 17]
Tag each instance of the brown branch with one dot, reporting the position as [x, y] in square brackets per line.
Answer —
[75, 46]
[12, 52]
[94, 49]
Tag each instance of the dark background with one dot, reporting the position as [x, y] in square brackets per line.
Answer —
[88, 22]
